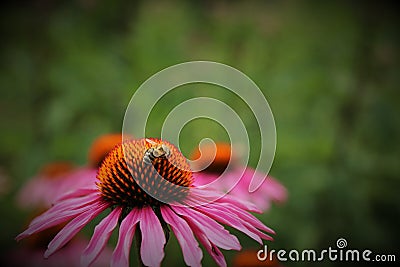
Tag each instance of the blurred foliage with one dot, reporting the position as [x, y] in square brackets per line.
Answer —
[328, 69]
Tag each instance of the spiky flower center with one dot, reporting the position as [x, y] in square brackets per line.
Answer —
[131, 176]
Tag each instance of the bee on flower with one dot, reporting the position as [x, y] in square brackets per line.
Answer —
[147, 194]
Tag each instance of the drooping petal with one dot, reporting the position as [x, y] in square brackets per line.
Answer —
[270, 190]
[190, 247]
[54, 216]
[153, 239]
[120, 256]
[248, 220]
[102, 233]
[222, 215]
[72, 228]
[199, 197]
[211, 248]
[215, 232]
[247, 217]
[257, 232]
[67, 205]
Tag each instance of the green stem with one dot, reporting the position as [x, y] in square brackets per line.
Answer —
[138, 238]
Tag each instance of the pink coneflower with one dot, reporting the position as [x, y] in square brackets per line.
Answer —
[270, 191]
[58, 178]
[129, 179]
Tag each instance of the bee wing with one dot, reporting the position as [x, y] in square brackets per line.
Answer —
[150, 141]
[166, 150]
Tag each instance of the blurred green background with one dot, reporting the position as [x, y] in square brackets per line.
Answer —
[330, 72]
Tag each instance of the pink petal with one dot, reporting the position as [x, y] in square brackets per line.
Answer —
[53, 217]
[204, 179]
[153, 238]
[259, 198]
[200, 197]
[77, 193]
[43, 191]
[275, 190]
[257, 232]
[68, 183]
[101, 234]
[190, 247]
[247, 217]
[72, 228]
[223, 215]
[215, 232]
[213, 250]
[269, 191]
[120, 256]
[245, 205]
[66, 205]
